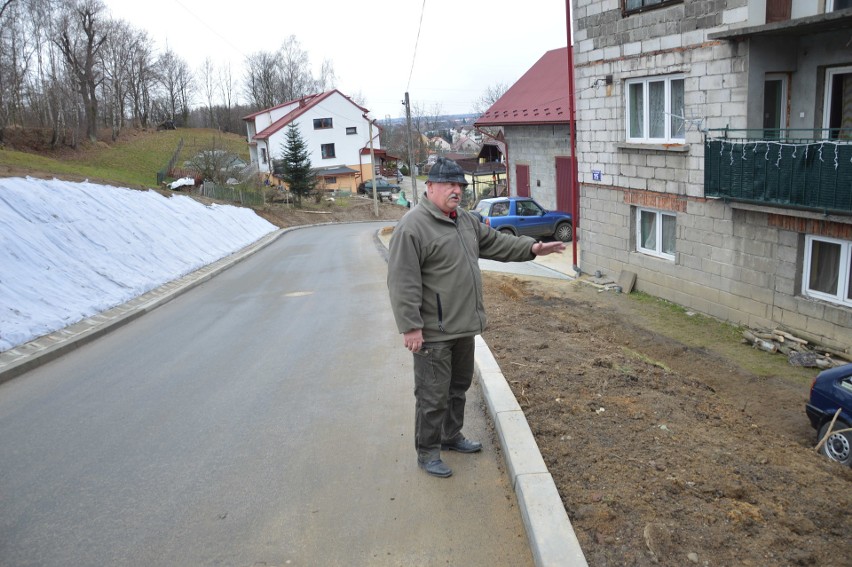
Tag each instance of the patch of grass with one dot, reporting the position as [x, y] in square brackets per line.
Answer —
[644, 358]
[712, 335]
[133, 160]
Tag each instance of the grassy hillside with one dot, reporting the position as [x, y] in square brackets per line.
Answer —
[133, 160]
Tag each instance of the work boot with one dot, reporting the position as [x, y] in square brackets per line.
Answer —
[436, 468]
[462, 445]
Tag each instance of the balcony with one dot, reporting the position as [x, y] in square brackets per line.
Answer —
[807, 172]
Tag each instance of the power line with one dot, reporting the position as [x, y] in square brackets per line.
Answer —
[416, 41]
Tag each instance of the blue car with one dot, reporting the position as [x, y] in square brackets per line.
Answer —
[523, 216]
[832, 390]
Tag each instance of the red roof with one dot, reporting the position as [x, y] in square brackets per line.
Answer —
[305, 104]
[539, 97]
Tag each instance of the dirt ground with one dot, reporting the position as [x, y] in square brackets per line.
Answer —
[670, 441]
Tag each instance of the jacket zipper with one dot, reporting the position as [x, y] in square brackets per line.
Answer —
[440, 314]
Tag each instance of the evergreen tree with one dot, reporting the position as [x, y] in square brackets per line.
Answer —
[296, 167]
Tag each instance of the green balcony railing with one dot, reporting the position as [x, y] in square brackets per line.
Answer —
[777, 169]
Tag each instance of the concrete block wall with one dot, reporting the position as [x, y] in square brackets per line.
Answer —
[730, 263]
[538, 147]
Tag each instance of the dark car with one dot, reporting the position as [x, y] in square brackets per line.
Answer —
[832, 390]
[524, 216]
[384, 190]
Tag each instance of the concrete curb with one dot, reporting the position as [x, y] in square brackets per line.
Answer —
[551, 536]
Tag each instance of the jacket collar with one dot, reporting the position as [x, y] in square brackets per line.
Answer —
[435, 211]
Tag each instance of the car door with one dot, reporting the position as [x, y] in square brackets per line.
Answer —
[531, 221]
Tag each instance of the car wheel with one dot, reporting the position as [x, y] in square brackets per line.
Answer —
[563, 232]
[505, 230]
[838, 446]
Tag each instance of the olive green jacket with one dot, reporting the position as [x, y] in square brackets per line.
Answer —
[433, 271]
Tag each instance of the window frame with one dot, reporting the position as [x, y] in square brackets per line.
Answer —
[350, 130]
[658, 228]
[830, 74]
[323, 123]
[625, 11]
[646, 111]
[831, 7]
[324, 151]
[844, 271]
[781, 114]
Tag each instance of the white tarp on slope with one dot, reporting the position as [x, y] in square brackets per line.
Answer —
[71, 250]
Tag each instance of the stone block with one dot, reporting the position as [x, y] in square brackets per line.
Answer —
[552, 539]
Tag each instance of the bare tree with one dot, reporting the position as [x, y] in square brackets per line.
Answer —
[116, 57]
[227, 92]
[295, 73]
[261, 80]
[17, 50]
[176, 82]
[207, 79]
[491, 95]
[141, 78]
[5, 5]
[82, 35]
[327, 78]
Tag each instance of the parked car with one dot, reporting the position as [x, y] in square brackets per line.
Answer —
[384, 190]
[830, 391]
[524, 216]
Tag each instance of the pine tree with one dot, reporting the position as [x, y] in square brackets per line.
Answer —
[296, 171]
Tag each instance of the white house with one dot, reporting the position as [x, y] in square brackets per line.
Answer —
[335, 129]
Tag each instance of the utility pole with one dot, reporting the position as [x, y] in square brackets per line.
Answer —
[373, 172]
[410, 151]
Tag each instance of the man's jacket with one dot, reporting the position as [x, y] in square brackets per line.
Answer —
[433, 271]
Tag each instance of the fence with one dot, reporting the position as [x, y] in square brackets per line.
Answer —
[233, 194]
[163, 173]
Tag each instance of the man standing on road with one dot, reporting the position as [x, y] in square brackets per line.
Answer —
[436, 294]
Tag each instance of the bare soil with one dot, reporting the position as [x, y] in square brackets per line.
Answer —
[670, 441]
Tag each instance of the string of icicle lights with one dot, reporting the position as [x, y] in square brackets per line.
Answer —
[819, 147]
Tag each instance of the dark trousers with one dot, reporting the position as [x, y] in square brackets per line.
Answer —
[443, 372]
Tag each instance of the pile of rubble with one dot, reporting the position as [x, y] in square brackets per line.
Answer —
[799, 351]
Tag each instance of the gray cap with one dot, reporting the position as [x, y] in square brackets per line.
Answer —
[447, 171]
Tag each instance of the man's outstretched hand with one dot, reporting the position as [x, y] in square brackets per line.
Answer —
[545, 248]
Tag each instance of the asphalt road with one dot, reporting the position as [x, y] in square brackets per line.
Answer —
[263, 418]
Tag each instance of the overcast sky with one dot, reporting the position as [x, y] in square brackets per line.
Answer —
[463, 47]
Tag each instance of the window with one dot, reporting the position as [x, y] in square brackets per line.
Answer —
[837, 119]
[655, 233]
[528, 209]
[774, 106]
[322, 123]
[500, 210]
[262, 155]
[330, 179]
[351, 130]
[633, 6]
[834, 5]
[828, 264]
[327, 151]
[655, 109]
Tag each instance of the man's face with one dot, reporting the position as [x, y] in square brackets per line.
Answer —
[447, 196]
